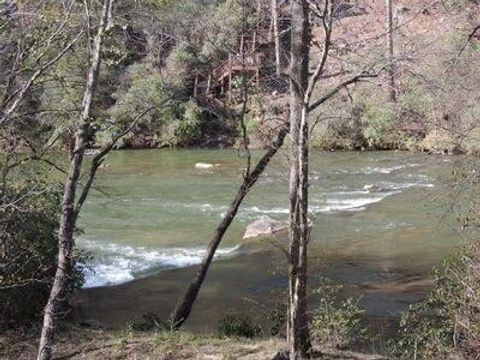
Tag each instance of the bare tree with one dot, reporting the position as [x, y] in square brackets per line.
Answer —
[302, 87]
[391, 60]
[69, 207]
[276, 37]
[298, 337]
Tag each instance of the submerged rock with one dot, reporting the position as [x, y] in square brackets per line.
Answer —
[373, 188]
[264, 226]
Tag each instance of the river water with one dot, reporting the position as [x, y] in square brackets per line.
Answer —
[154, 212]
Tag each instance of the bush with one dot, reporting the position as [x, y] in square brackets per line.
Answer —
[337, 322]
[179, 67]
[28, 249]
[278, 318]
[171, 343]
[240, 326]
[188, 129]
[447, 321]
[143, 87]
[379, 126]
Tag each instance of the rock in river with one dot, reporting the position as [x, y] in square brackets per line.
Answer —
[373, 188]
[201, 165]
[264, 226]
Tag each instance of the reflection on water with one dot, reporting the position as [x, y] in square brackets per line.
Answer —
[160, 212]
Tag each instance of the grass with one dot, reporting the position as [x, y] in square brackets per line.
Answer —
[74, 342]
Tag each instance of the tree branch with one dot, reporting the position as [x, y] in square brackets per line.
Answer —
[335, 90]
[100, 157]
[327, 19]
[4, 116]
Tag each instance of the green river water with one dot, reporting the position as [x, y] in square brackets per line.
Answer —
[156, 212]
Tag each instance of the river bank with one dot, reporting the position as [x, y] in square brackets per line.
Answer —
[76, 342]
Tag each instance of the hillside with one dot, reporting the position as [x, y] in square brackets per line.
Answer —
[432, 56]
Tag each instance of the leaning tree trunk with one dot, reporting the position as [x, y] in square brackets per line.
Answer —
[183, 310]
[298, 337]
[65, 247]
[68, 217]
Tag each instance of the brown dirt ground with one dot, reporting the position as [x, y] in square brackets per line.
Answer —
[88, 344]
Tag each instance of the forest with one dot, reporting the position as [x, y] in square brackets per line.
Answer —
[239, 179]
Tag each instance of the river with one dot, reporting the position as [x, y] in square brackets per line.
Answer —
[153, 212]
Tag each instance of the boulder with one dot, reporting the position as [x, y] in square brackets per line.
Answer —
[202, 165]
[264, 226]
[92, 152]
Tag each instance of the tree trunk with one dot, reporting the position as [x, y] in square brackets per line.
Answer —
[391, 60]
[298, 337]
[68, 217]
[276, 37]
[65, 247]
[183, 310]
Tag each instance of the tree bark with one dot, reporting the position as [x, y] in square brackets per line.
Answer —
[68, 217]
[183, 310]
[298, 337]
[276, 38]
[391, 60]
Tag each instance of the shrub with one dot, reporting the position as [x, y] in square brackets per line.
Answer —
[447, 321]
[337, 322]
[171, 343]
[28, 249]
[278, 318]
[380, 126]
[240, 326]
[179, 67]
[188, 130]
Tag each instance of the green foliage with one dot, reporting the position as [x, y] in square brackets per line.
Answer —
[179, 66]
[415, 104]
[278, 318]
[240, 326]
[339, 134]
[337, 322]
[447, 321]
[227, 23]
[184, 130]
[28, 248]
[379, 126]
[188, 130]
[456, 5]
[123, 337]
[171, 343]
[144, 87]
